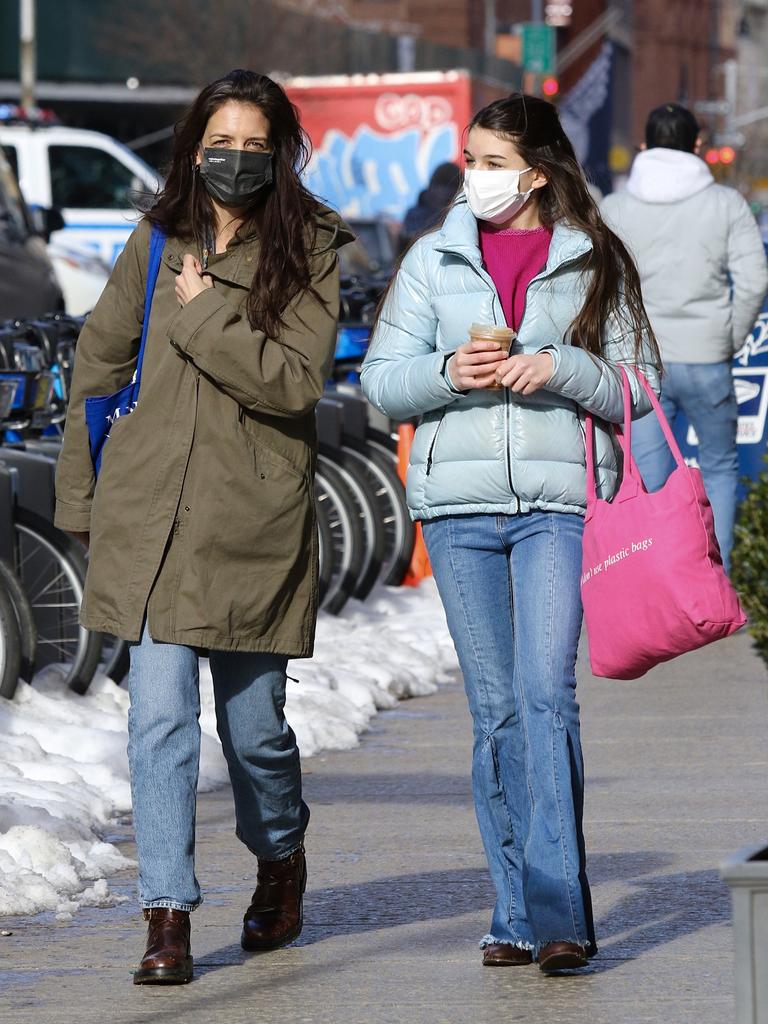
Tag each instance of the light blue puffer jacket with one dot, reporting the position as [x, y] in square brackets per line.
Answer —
[496, 451]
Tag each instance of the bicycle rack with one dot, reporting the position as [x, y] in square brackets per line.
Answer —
[36, 479]
[8, 487]
[354, 414]
[35, 475]
[329, 417]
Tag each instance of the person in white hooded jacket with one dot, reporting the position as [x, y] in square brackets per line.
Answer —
[703, 274]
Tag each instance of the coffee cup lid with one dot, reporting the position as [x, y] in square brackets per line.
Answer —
[493, 331]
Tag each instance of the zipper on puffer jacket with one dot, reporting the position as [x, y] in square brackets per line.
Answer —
[508, 445]
[431, 451]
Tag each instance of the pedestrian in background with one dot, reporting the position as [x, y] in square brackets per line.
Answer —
[201, 525]
[432, 204]
[703, 275]
[498, 479]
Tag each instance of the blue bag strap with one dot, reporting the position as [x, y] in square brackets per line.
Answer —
[156, 246]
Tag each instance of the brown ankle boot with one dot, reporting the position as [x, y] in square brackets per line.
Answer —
[168, 959]
[276, 913]
[562, 956]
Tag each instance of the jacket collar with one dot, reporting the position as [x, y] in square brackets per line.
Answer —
[459, 236]
[236, 266]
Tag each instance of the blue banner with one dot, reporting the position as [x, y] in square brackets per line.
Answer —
[750, 373]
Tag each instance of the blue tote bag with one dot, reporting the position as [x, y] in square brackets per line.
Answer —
[103, 411]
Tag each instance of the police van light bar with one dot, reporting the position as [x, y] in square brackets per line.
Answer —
[12, 113]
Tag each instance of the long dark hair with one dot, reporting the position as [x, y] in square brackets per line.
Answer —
[284, 219]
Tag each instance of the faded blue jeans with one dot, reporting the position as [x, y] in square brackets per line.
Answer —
[164, 756]
[704, 392]
[510, 589]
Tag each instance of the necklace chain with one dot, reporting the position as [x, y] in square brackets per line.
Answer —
[209, 247]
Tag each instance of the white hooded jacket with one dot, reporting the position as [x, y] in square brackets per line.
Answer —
[699, 252]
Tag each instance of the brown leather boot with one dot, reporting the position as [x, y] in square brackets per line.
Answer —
[502, 954]
[276, 913]
[168, 959]
[562, 956]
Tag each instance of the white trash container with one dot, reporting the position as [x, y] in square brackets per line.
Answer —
[746, 873]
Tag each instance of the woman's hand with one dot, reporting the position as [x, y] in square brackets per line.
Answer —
[191, 281]
[474, 365]
[526, 374]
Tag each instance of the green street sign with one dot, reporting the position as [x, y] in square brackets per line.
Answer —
[539, 48]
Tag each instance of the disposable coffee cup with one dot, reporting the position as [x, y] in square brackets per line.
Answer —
[503, 336]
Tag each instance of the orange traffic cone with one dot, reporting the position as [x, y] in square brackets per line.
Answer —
[419, 567]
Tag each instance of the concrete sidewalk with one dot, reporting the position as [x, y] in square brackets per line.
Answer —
[398, 892]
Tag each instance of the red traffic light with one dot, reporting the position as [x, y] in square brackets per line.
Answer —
[727, 154]
[550, 86]
[712, 156]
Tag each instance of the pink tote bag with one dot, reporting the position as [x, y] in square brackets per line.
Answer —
[652, 583]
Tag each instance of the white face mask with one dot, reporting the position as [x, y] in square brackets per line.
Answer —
[495, 195]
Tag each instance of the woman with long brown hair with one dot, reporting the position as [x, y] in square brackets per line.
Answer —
[497, 475]
[201, 523]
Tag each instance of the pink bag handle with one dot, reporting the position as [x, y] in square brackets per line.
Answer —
[624, 436]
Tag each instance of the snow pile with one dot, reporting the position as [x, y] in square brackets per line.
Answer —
[63, 762]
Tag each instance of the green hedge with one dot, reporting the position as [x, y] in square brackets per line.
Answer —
[750, 561]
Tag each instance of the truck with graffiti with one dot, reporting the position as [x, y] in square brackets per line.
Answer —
[377, 138]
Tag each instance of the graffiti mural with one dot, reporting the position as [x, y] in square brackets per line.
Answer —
[371, 174]
[376, 143]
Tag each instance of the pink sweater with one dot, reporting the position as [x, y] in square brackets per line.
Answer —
[513, 257]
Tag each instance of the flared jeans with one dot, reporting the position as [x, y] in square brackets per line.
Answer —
[510, 588]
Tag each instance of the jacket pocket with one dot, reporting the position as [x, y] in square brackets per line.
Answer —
[431, 451]
[264, 452]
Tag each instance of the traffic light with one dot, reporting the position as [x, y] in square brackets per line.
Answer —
[550, 86]
[724, 155]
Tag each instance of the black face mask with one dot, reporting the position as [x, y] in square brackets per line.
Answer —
[235, 176]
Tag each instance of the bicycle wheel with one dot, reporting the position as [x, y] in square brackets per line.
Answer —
[392, 510]
[364, 497]
[385, 443]
[115, 658]
[325, 546]
[10, 645]
[346, 535]
[52, 567]
[25, 618]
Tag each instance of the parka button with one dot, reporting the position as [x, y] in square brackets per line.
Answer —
[186, 508]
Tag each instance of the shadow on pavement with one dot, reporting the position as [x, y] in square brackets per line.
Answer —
[659, 910]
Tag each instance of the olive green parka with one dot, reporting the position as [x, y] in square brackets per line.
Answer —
[203, 517]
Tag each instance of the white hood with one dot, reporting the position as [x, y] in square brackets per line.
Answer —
[667, 176]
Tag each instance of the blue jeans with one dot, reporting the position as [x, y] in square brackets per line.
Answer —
[704, 393]
[164, 755]
[510, 589]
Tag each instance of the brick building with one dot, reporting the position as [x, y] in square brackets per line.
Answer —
[679, 47]
[664, 49]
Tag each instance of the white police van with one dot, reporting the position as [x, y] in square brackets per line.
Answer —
[88, 176]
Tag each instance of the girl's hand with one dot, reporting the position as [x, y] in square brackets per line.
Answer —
[191, 281]
[526, 374]
[474, 365]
